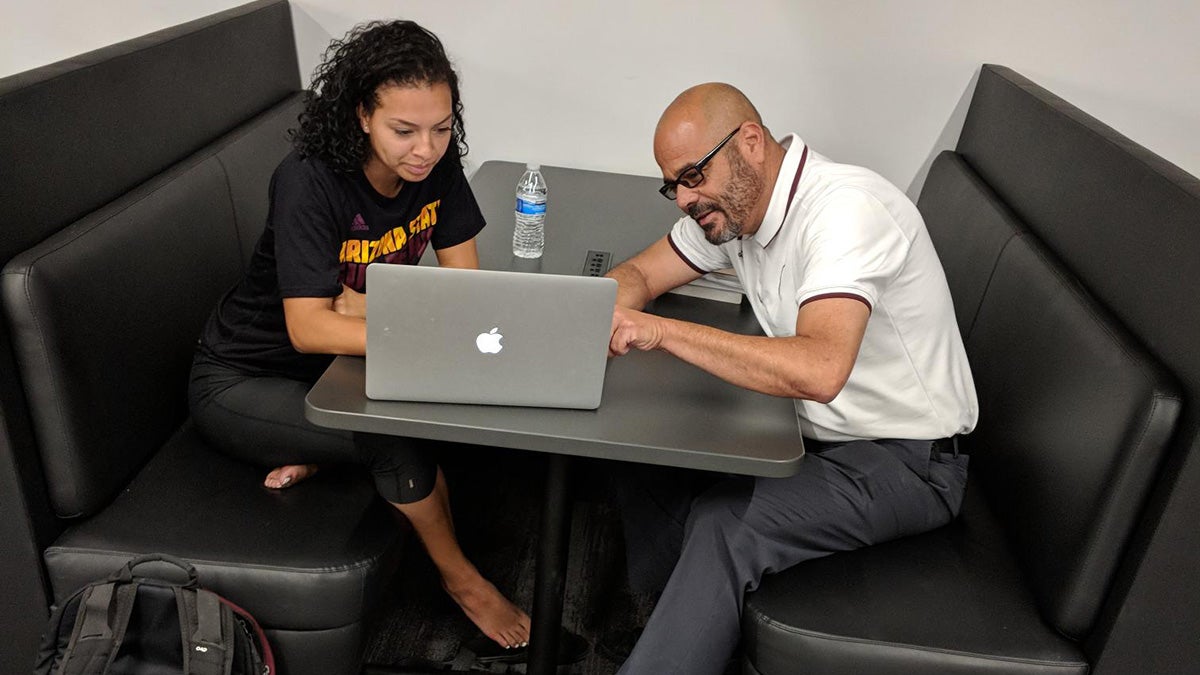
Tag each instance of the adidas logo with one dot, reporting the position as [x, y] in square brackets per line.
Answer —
[358, 224]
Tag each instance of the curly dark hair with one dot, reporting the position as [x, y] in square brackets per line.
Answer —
[372, 54]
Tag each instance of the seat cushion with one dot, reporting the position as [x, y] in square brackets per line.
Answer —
[948, 601]
[311, 557]
[337, 651]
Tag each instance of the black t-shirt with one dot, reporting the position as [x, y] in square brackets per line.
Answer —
[323, 229]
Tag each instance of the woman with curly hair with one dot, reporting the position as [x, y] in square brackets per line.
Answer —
[375, 175]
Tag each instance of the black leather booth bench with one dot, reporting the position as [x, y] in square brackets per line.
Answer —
[1073, 256]
[133, 184]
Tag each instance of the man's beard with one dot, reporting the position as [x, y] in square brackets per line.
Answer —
[735, 201]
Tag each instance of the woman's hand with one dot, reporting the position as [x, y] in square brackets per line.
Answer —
[351, 303]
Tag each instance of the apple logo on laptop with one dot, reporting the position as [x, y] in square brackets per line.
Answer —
[489, 342]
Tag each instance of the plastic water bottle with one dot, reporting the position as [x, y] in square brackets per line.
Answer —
[529, 235]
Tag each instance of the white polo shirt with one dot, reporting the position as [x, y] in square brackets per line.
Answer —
[848, 232]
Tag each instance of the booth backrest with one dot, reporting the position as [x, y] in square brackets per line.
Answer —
[119, 271]
[1076, 319]
[1123, 220]
[104, 314]
[51, 116]
[1126, 224]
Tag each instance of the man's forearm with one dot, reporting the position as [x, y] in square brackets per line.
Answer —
[792, 367]
[814, 364]
[632, 291]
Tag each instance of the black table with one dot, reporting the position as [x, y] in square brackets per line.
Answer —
[655, 409]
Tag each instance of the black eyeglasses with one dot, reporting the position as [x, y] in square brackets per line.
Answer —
[693, 176]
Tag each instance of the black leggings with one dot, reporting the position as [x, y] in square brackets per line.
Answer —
[260, 419]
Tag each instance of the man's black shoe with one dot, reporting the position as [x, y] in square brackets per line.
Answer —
[616, 646]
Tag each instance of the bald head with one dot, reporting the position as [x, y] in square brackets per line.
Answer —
[698, 119]
[715, 106]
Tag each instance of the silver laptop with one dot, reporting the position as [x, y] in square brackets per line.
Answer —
[476, 336]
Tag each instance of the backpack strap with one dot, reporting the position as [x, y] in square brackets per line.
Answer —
[207, 632]
[100, 625]
[261, 646]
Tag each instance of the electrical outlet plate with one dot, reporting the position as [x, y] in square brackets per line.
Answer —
[596, 263]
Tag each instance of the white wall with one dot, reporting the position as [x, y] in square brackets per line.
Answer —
[876, 82]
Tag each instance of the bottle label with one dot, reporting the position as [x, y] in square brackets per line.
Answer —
[530, 208]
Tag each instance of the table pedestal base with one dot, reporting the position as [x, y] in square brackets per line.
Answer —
[551, 568]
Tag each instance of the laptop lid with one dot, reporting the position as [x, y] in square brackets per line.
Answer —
[478, 336]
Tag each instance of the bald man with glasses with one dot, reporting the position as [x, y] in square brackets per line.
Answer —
[860, 332]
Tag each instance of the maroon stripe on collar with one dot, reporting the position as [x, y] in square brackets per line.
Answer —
[848, 296]
[791, 193]
[683, 257]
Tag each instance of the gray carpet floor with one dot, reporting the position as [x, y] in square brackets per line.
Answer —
[496, 500]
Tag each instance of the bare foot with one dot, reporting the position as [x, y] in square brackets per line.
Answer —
[488, 609]
[287, 476]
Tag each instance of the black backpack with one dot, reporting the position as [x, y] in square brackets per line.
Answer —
[132, 624]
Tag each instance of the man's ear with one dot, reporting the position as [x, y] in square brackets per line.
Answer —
[752, 140]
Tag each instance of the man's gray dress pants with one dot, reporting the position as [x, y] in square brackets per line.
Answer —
[711, 549]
